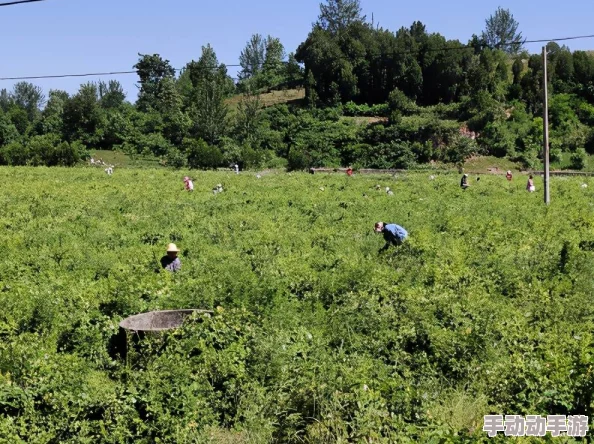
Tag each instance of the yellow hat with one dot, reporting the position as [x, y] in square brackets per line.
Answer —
[172, 247]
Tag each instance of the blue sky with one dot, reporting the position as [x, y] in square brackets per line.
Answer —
[80, 36]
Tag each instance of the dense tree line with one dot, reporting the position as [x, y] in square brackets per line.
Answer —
[433, 99]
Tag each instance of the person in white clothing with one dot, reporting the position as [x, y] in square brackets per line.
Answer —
[189, 184]
[236, 169]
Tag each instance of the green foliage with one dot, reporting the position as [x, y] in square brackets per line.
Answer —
[46, 150]
[399, 91]
[252, 56]
[152, 70]
[312, 336]
[211, 85]
[579, 159]
[501, 31]
[354, 110]
[202, 155]
[336, 15]
[175, 158]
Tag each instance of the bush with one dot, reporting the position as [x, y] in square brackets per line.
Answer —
[579, 159]
[46, 150]
[14, 154]
[354, 110]
[175, 158]
[555, 155]
[398, 101]
[201, 155]
[297, 159]
[250, 158]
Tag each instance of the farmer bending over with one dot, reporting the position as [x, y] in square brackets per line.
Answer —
[464, 182]
[171, 262]
[393, 234]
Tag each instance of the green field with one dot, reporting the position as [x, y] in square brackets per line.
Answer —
[315, 337]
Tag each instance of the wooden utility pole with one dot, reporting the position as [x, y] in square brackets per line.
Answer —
[545, 122]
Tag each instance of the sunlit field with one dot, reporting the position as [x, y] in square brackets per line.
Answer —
[315, 336]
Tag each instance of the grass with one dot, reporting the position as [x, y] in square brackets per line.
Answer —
[363, 120]
[565, 163]
[289, 96]
[122, 160]
[489, 164]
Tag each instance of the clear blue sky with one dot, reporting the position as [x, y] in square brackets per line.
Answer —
[80, 36]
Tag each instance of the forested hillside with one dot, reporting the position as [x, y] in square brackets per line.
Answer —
[432, 99]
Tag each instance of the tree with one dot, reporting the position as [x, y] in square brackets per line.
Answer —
[28, 97]
[248, 116]
[336, 15]
[211, 85]
[5, 100]
[176, 122]
[501, 31]
[82, 116]
[151, 70]
[52, 115]
[275, 53]
[294, 72]
[8, 132]
[111, 95]
[252, 57]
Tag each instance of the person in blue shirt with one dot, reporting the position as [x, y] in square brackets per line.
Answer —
[171, 262]
[393, 234]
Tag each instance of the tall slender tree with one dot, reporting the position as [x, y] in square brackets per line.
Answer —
[29, 97]
[211, 85]
[252, 57]
[336, 15]
[501, 32]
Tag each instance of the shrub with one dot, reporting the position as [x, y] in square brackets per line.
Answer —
[579, 159]
[175, 158]
[201, 155]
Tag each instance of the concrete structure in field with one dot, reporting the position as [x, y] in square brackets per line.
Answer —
[158, 321]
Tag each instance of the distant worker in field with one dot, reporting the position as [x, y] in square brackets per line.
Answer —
[509, 176]
[189, 184]
[393, 234]
[236, 169]
[530, 185]
[109, 171]
[464, 182]
[171, 262]
[349, 171]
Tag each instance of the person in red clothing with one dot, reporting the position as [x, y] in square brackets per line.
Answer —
[349, 171]
[509, 176]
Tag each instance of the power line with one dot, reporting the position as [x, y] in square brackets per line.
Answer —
[60, 76]
[18, 2]
[91, 74]
[445, 48]
[561, 39]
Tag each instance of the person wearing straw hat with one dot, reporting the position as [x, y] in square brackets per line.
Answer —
[171, 262]
[464, 182]
[393, 234]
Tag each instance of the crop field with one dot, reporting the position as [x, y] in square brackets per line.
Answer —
[314, 336]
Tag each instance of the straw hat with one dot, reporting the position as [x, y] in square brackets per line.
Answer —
[172, 247]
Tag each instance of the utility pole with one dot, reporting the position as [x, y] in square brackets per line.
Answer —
[545, 121]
